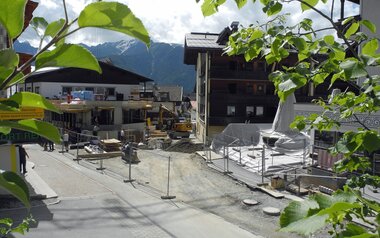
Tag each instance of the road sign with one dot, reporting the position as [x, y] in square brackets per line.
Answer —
[24, 113]
[18, 136]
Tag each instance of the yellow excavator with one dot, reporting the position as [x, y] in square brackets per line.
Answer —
[175, 127]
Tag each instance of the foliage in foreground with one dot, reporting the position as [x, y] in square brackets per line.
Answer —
[53, 52]
[322, 58]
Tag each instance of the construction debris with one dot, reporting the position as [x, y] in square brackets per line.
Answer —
[185, 146]
[110, 145]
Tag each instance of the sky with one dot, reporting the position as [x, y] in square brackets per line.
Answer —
[169, 20]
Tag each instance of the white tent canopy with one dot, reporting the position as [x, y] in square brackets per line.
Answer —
[237, 134]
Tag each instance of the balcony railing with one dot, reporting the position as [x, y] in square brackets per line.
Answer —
[236, 74]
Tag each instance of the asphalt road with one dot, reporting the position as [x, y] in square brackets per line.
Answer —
[92, 204]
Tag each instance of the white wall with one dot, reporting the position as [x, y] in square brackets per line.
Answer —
[369, 10]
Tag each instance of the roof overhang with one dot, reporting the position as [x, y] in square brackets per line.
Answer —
[135, 105]
[355, 1]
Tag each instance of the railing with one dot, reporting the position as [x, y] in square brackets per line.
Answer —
[235, 74]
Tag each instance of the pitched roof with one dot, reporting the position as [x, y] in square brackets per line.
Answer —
[111, 75]
[200, 42]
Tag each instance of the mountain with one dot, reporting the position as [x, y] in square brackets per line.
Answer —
[162, 62]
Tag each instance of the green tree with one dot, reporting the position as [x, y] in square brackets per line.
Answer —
[56, 52]
[274, 41]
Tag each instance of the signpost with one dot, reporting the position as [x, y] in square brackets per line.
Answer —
[24, 113]
[18, 136]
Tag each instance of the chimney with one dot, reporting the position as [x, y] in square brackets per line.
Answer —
[234, 26]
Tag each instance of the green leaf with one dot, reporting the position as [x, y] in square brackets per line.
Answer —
[6, 221]
[290, 84]
[347, 20]
[8, 62]
[68, 55]
[41, 128]
[353, 69]
[39, 24]
[371, 141]
[116, 17]
[369, 25]
[15, 185]
[300, 43]
[27, 99]
[12, 16]
[276, 8]
[5, 130]
[210, 7]
[257, 33]
[329, 39]
[312, 3]
[240, 3]
[8, 59]
[307, 226]
[53, 28]
[352, 30]
[353, 230]
[319, 78]
[16, 79]
[296, 211]
[370, 47]
[338, 207]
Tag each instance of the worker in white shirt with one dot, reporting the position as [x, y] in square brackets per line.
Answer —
[66, 141]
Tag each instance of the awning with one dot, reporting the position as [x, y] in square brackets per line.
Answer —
[146, 105]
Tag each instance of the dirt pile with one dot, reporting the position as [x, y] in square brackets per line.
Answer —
[185, 146]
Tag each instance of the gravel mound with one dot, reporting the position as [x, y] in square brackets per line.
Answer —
[185, 146]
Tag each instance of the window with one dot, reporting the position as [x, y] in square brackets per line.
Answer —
[37, 89]
[110, 91]
[259, 111]
[260, 89]
[20, 89]
[99, 91]
[249, 110]
[232, 88]
[66, 90]
[28, 89]
[231, 111]
[261, 65]
[90, 89]
[249, 88]
[232, 65]
[78, 88]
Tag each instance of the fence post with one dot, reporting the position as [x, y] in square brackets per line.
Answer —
[130, 154]
[167, 196]
[77, 159]
[304, 152]
[262, 165]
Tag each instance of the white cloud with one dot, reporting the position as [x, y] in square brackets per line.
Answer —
[170, 20]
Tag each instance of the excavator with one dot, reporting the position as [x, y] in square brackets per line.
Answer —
[175, 127]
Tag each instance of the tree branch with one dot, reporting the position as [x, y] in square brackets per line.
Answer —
[322, 29]
[361, 123]
[339, 32]
[65, 9]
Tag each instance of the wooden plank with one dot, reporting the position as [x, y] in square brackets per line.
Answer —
[252, 156]
[271, 192]
[100, 156]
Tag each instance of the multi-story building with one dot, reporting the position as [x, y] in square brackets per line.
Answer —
[109, 100]
[231, 90]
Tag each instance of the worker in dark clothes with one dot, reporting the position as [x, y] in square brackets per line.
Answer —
[23, 156]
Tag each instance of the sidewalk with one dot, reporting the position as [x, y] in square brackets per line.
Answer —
[93, 204]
